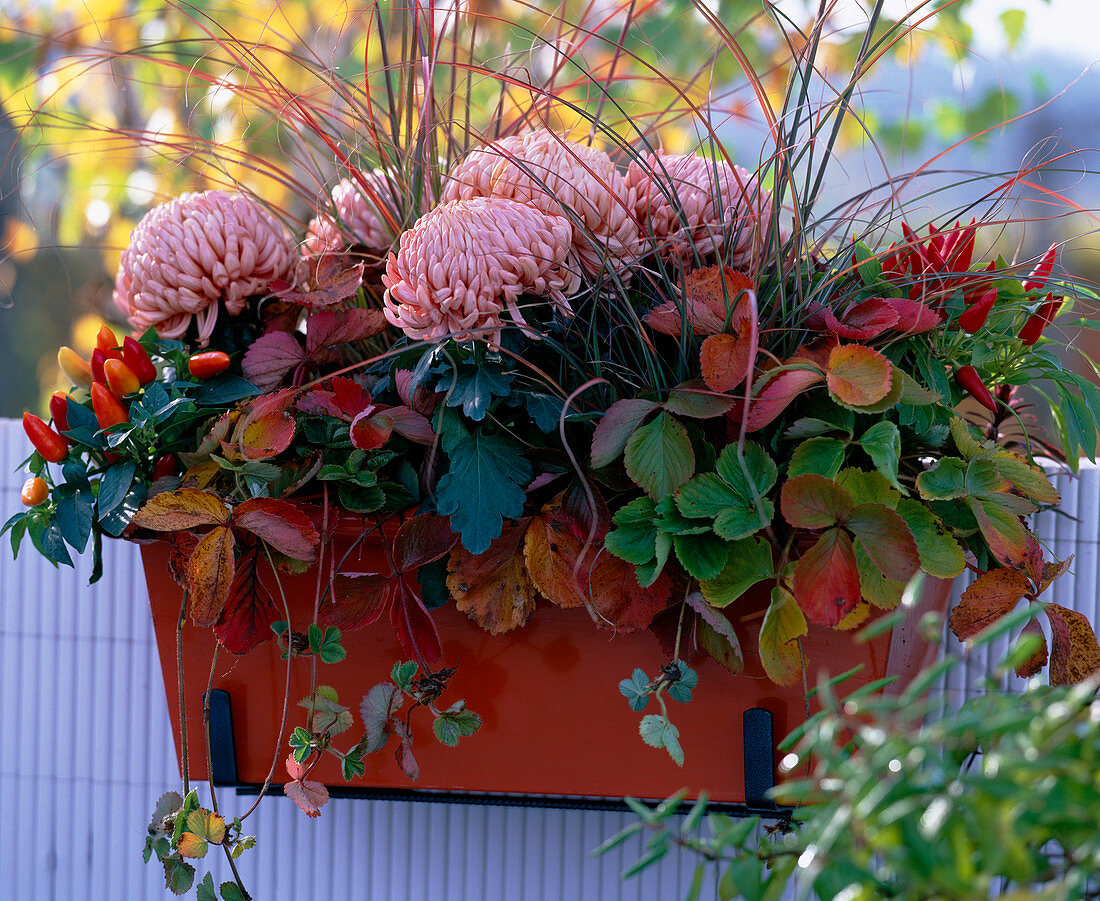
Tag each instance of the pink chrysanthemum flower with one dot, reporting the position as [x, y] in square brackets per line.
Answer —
[544, 170]
[465, 263]
[358, 216]
[690, 205]
[192, 253]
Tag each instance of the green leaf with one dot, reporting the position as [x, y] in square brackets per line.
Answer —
[659, 457]
[702, 556]
[206, 890]
[882, 442]
[824, 456]
[330, 650]
[115, 522]
[75, 512]
[232, 892]
[474, 390]
[940, 554]
[482, 487]
[636, 690]
[749, 561]
[329, 715]
[1013, 21]
[379, 705]
[114, 486]
[544, 410]
[615, 428]
[868, 487]
[301, 741]
[179, 876]
[402, 674]
[46, 537]
[734, 496]
[454, 724]
[681, 689]
[351, 765]
[945, 481]
[658, 732]
[635, 534]
[780, 651]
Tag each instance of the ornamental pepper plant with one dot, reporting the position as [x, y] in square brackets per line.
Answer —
[537, 343]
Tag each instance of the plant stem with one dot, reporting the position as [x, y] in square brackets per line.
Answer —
[210, 769]
[286, 689]
[179, 682]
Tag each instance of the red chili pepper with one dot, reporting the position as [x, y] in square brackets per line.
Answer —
[167, 465]
[106, 341]
[1037, 280]
[98, 359]
[59, 410]
[74, 366]
[109, 410]
[973, 317]
[206, 365]
[134, 356]
[35, 491]
[46, 441]
[1039, 320]
[120, 379]
[971, 382]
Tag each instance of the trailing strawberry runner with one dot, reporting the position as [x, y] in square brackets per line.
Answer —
[546, 377]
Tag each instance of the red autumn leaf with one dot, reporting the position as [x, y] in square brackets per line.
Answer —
[778, 393]
[340, 398]
[266, 436]
[404, 753]
[494, 588]
[183, 546]
[360, 598]
[551, 551]
[864, 321]
[992, 595]
[412, 425]
[275, 402]
[422, 399]
[209, 575]
[414, 626]
[281, 524]
[725, 361]
[331, 280]
[810, 501]
[330, 327]
[370, 431]
[249, 609]
[310, 796]
[269, 359]
[886, 539]
[1074, 652]
[714, 635]
[709, 294]
[615, 428]
[826, 579]
[1025, 669]
[185, 508]
[617, 601]
[422, 540]
[914, 317]
[858, 376]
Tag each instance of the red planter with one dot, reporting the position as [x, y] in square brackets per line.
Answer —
[554, 721]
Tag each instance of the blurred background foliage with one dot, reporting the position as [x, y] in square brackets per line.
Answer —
[111, 106]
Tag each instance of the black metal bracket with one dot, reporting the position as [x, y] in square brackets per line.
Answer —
[758, 730]
[758, 733]
[219, 729]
